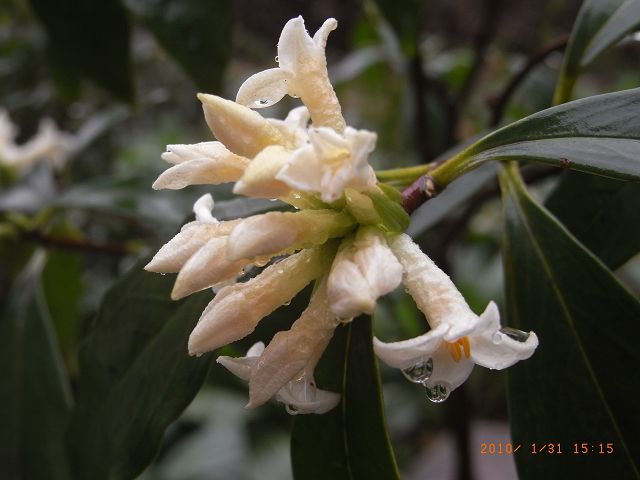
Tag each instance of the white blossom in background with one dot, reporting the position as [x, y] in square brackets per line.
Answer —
[340, 237]
[48, 144]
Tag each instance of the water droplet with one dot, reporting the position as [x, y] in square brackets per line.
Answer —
[293, 95]
[515, 334]
[277, 59]
[420, 372]
[344, 321]
[290, 409]
[261, 103]
[437, 393]
[280, 271]
[286, 304]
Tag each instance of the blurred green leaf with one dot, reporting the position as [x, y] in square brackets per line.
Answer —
[404, 17]
[62, 288]
[600, 24]
[34, 392]
[135, 376]
[597, 134]
[581, 383]
[92, 37]
[604, 214]
[197, 33]
[350, 441]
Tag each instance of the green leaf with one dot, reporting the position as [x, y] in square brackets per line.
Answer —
[600, 24]
[599, 134]
[135, 376]
[581, 383]
[602, 213]
[197, 33]
[92, 37]
[62, 288]
[34, 392]
[350, 441]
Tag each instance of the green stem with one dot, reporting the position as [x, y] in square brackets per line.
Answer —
[404, 175]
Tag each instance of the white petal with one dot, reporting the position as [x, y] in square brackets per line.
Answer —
[320, 37]
[448, 372]
[433, 291]
[201, 171]
[492, 348]
[202, 209]
[179, 153]
[236, 310]
[363, 270]
[260, 178]
[407, 353]
[303, 397]
[207, 267]
[295, 44]
[264, 88]
[303, 171]
[298, 117]
[241, 366]
[242, 130]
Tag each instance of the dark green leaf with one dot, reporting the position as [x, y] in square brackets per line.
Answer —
[93, 37]
[197, 33]
[581, 383]
[34, 392]
[604, 214]
[350, 441]
[600, 24]
[135, 376]
[599, 134]
[405, 18]
[62, 287]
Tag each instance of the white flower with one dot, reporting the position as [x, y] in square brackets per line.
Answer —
[363, 270]
[49, 144]
[331, 162]
[442, 358]
[299, 395]
[302, 73]
[198, 252]
[285, 367]
[202, 163]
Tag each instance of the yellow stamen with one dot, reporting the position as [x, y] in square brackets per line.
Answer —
[456, 348]
[464, 341]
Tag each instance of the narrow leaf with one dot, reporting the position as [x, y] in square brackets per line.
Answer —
[351, 441]
[34, 392]
[135, 376]
[604, 214]
[197, 33]
[580, 386]
[93, 37]
[599, 134]
[600, 24]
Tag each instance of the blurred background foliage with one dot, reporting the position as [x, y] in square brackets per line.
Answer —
[121, 76]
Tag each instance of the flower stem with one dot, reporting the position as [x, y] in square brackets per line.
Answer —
[403, 176]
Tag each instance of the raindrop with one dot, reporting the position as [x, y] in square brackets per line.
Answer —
[344, 321]
[420, 372]
[277, 59]
[437, 393]
[515, 334]
[263, 102]
[286, 304]
[280, 271]
[290, 409]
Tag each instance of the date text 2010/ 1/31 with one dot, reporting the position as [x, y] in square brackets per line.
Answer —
[584, 448]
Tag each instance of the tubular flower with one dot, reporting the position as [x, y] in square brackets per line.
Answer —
[341, 232]
[443, 358]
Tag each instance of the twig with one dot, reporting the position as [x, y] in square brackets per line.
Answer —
[499, 103]
[73, 244]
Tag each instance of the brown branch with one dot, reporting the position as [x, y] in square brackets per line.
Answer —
[75, 244]
[499, 103]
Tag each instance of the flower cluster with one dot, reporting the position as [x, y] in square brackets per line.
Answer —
[344, 234]
[48, 144]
